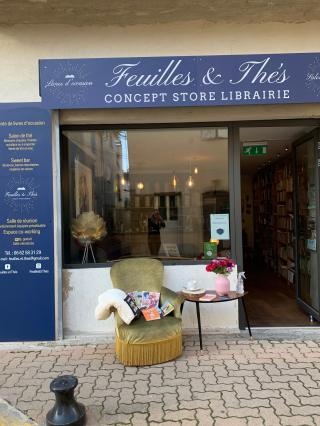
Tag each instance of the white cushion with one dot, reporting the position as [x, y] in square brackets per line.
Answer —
[113, 298]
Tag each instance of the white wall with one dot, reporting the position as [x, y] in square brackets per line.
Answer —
[83, 286]
[21, 46]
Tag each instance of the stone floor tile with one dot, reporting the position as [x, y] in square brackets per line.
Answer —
[189, 422]
[218, 408]
[241, 391]
[179, 415]
[299, 389]
[204, 417]
[116, 419]
[170, 402]
[139, 419]
[306, 410]
[93, 415]
[184, 393]
[132, 408]
[243, 412]
[110, 405]
[254, 421]
[269, 417]
[190, 405]
[255, 403]
[156, 412]
[231, 421]
[297, 421]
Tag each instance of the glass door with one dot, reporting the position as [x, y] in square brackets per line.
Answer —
[307, 163]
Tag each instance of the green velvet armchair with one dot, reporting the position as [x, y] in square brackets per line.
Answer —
[146, 342]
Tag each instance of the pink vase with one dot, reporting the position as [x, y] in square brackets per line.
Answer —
[222, 285]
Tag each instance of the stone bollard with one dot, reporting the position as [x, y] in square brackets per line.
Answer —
[66, 410]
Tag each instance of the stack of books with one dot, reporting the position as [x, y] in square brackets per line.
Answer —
[148, 303]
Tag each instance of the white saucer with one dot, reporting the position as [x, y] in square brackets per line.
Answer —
[191, 289]
[196, 291]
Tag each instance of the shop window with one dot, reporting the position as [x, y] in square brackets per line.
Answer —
[131, 192]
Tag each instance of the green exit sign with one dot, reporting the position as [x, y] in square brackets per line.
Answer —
[254, 150]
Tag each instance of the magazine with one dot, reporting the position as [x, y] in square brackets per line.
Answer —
[149, 299]
[145, 299]
[134, 308]
[137, 297]
[207, 297]
[166, 308]
[152, 313]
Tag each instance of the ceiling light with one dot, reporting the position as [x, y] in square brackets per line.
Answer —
[190, 182]
[140, 185]
[195, 171]
[174, 182]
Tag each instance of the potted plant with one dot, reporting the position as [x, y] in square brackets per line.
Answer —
[222, 267]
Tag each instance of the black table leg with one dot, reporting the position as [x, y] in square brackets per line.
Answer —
[246, 315]
[199, 323]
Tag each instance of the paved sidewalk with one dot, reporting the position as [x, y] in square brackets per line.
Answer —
[232, 382]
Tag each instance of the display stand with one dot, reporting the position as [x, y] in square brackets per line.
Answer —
[85, 257]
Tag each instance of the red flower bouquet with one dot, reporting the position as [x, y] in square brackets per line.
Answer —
[223, 266]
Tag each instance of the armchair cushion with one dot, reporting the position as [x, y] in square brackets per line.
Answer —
[141, 331]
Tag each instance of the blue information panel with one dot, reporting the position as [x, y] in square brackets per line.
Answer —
[26, 225]
[180, 81]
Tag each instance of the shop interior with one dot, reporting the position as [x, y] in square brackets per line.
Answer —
[268, 225]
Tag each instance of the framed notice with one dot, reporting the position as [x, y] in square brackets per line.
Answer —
[219, 225]
[171, 250]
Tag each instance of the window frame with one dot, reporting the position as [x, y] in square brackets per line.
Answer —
[65, 188]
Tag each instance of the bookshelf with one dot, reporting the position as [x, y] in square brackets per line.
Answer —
[274, 218]
[285, 219]
[264, 224]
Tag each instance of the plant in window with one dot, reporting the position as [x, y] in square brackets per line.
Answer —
[88, 227]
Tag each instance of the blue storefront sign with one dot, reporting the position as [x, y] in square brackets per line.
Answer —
[26, 224]
[180, 81]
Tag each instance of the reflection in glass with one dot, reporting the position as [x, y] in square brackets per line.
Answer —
[306, 237]
[138, 181]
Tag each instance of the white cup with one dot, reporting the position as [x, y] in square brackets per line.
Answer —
[192, 285]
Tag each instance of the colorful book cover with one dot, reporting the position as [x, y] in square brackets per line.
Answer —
[137, 297]
[150, 298]
[134, 308]
[166, 308]
[209, 250]
[151, 314]
[207, 297]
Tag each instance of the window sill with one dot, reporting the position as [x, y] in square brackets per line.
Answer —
[165, 261]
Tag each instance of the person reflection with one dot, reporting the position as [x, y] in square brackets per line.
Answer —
[155, 223]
